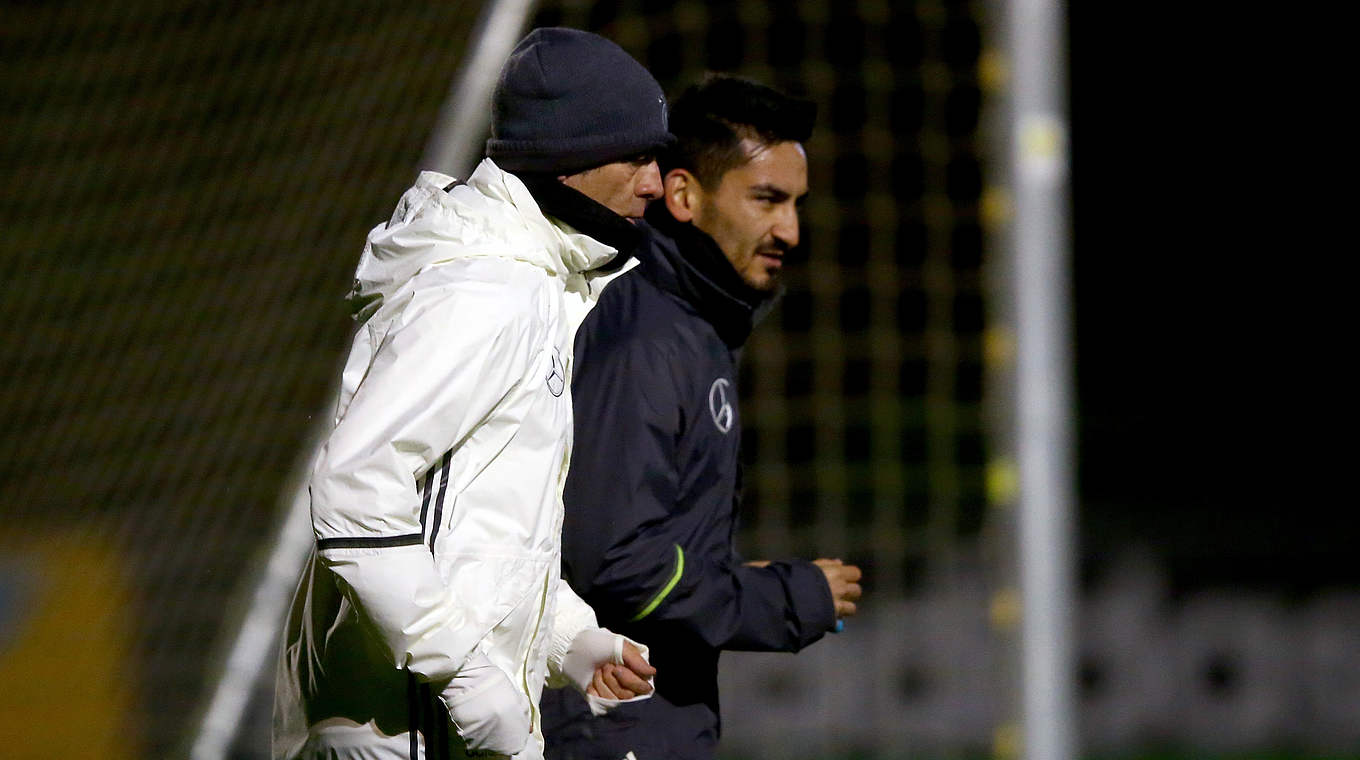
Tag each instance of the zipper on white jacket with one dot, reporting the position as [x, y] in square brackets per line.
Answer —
[524, 670]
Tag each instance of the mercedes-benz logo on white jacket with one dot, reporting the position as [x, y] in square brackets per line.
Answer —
[557, 382]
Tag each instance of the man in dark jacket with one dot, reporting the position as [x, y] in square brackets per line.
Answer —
[652, 492]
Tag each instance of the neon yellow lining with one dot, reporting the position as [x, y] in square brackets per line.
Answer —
[675, 578]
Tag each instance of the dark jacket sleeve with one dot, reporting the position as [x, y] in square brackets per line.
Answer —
[629, 546]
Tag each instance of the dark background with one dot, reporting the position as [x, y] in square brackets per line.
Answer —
[184, 186]
[1201, 409]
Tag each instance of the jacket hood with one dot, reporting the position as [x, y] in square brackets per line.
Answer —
[440, 219]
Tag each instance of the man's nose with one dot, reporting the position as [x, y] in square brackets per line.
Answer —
[786, 226]
[649, 182]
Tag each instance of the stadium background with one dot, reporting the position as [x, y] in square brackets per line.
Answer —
[185, 188]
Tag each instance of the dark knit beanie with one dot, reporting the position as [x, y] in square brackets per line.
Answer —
[569, 100]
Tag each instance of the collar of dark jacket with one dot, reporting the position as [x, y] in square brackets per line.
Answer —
[687, 262]
[585, 214]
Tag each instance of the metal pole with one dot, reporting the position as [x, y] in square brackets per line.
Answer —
[1038, 164]
[259, 630]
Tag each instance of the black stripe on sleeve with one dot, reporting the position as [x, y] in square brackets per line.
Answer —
[366, 542]
[439, 501]
[425, 498]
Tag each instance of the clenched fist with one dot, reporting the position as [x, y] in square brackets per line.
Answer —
[844, 582]
[625, 680]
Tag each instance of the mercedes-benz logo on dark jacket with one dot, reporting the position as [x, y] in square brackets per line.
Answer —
[719, 406]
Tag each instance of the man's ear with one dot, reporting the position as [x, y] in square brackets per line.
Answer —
[683, 193]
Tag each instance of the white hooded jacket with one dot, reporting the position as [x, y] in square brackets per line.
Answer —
[437, 497]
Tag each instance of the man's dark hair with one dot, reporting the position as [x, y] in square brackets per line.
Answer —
[710, 119]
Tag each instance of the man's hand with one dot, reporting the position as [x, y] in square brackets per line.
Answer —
[486, 709]
[624, 681]
[603, 664]
[844, 582]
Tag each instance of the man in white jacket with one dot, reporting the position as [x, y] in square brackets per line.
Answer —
[432, 612]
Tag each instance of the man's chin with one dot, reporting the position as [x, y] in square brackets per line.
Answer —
[764, 284]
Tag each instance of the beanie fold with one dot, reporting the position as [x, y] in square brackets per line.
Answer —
[572, 155]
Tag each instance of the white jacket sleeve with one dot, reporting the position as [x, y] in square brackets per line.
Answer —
[451, 356]
[572, 616]
[579, 646]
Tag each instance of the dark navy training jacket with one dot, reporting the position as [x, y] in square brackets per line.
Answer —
[651, 500]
